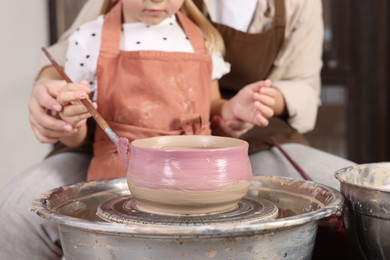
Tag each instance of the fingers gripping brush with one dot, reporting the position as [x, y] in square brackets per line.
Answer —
[122, 143]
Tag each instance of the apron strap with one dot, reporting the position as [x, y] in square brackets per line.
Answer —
[280, 24]
[111, 34]
[280, 14]
[193, 32]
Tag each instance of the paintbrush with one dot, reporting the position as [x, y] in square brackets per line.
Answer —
[122, 143]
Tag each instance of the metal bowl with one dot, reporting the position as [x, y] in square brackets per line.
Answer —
[366, 217]
[292, 235]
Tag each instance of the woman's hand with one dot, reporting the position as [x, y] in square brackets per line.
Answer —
[42, 108]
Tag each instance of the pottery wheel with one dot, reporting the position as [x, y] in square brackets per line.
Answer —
[123, 210]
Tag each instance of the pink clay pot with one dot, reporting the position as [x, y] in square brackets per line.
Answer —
[191, 175]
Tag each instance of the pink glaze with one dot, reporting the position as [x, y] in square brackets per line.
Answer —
[206, 166]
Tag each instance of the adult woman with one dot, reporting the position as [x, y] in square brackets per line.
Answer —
[293, 31]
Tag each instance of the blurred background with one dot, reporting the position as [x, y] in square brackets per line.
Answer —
[24, 30]
[353, 122]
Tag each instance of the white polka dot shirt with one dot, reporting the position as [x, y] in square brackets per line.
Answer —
[84, 46]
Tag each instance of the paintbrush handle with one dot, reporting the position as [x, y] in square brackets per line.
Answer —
[96, 115]
[56, 65]
[293, 163]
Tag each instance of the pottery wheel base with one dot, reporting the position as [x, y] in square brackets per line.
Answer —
[123, 210]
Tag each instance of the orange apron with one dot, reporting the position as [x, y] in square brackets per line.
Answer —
[148, 93]
[251, 57]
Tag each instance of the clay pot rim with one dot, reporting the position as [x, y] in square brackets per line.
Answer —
[174, 143]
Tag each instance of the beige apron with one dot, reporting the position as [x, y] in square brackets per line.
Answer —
[148, 93]
[251, 57]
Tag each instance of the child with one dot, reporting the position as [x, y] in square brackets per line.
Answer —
[156, 77]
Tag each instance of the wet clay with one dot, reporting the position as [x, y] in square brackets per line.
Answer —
[187, 202]
[188, 174]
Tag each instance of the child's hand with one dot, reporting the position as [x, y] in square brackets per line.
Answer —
[74, 112]
[231, 128]
[252, 104]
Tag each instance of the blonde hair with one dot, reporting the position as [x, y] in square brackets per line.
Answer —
[213, 38]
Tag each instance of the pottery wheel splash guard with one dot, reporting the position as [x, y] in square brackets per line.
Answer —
[84, 235]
